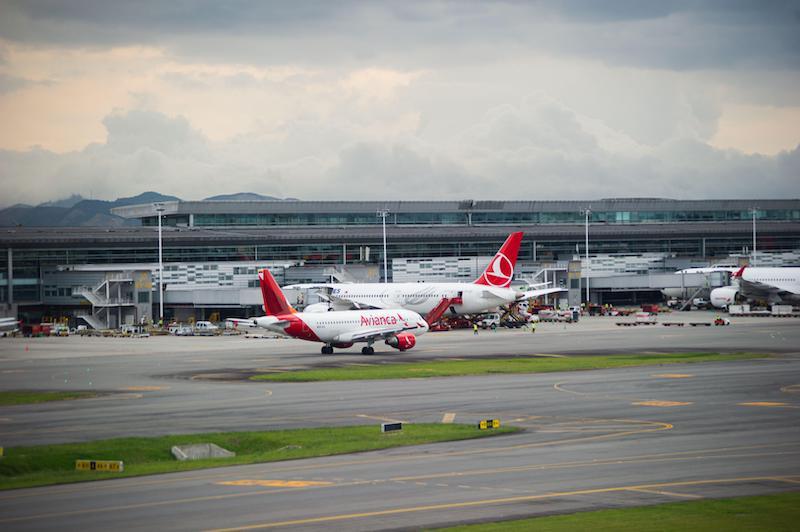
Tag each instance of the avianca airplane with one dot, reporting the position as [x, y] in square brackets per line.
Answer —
[774, 285]
[396, 327]
[488, 291]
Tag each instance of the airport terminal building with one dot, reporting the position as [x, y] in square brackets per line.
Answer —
[212, 249]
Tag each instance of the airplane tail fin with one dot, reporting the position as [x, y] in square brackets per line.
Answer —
[274, 301]
[501, 269]
[738, 274]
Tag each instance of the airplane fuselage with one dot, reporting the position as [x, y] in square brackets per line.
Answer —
[342, 327]
[465, 298]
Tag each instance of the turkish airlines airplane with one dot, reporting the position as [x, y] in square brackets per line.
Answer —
[398, 328]
[491, 289]
[775, 285]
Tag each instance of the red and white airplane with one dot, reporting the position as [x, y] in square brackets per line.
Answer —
[398, 328]
[773, 285]
[432, 300]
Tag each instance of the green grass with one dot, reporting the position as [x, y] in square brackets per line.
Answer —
[26, 398]
[485, 366]
[767, 512]
[55, 464]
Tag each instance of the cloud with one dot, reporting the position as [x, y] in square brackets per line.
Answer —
[410, 99]
[11, 83]
[536, 149]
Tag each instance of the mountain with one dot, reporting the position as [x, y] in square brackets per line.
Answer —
[83, 213]
[66, 202]
[242, 196]
[144, 197]
[77, 211]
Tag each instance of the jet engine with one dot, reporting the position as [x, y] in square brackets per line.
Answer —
[403, 341]
[724, 296]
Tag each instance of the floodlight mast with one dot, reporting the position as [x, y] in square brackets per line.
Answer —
[383, 213]
[159, 207]
[587, 212]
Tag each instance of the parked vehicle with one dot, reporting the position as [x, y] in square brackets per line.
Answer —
[205, 328]
[491, 320]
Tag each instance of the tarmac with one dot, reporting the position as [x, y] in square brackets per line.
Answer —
[591, 439]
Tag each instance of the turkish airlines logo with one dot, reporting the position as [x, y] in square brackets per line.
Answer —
[499, 272]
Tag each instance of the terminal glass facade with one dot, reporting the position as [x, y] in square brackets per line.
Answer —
[476, 218]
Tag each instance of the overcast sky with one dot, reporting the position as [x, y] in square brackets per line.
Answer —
[400, 100]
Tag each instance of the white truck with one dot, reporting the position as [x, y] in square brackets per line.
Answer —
[205, 328]
[490, 321]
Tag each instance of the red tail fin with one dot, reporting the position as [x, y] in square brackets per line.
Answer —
[501, 269]
[274, 301]
[739, 273]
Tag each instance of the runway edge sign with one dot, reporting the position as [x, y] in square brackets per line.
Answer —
[486, 424]
[114, 466]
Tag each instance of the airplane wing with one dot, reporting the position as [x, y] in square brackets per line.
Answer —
[756, 290]
[491, 294]
[374, 333]
[538, 293]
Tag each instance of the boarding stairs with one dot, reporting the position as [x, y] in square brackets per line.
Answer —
[439, 310]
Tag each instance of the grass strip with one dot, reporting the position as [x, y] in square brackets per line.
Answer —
[55, 464]
[765, 512]
[26, 398]
[486, 366]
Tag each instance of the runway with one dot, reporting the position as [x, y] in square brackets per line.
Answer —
[593, 439]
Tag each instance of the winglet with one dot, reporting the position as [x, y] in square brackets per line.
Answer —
[274, 301]
[738, 274]
[501, 269]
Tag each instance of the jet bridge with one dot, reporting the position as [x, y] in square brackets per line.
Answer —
[680, 284]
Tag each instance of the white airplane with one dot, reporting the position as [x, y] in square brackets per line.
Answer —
[774, 285]
[8, 326]
[432, 300]
[397, 328]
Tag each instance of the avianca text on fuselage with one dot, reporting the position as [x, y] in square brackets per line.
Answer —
[367, 321]
[396, 327]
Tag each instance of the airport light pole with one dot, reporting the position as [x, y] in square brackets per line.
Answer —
[160, 209]
[754, 212]
[587, 212]
[383, 213]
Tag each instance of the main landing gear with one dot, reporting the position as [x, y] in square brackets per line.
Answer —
[368, 350]
[327, 350]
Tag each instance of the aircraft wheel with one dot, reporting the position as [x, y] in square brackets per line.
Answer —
[367, 351]
[327, 350]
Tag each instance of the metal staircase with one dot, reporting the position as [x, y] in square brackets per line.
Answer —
[102, 302]
[93, 321]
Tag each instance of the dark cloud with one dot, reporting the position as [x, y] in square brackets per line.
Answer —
[679, 35]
